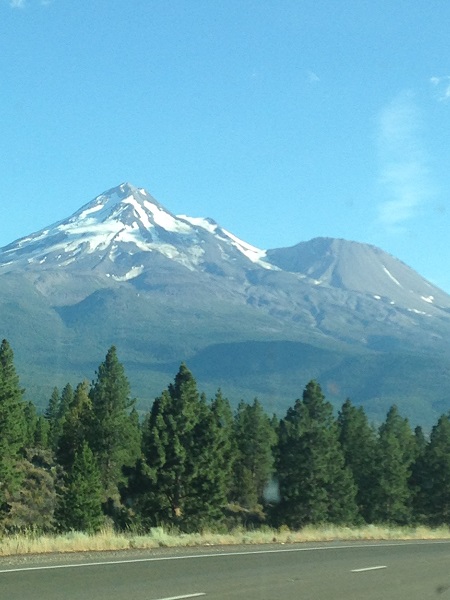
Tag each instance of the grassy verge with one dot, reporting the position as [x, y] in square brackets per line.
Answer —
[158, 537]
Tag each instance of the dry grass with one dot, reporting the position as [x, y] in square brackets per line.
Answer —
[158, 537]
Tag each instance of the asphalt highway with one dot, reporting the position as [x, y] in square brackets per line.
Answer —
[350, 571]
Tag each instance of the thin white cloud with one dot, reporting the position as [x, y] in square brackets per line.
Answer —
[312, 77]
[25, 3]
[442, 87]
[404, 177]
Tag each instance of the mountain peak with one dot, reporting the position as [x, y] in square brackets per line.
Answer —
[124, 193]
[362, 268]
[122, 225]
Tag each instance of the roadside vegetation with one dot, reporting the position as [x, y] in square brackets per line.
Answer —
[91, 474]
[110, 540]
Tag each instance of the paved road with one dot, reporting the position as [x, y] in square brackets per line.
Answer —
[414, 570]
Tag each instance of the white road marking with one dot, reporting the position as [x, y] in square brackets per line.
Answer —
[368, 569]
[184, 596]
[241, 553]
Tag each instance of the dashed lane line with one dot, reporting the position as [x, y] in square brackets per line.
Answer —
[184, 596]
[369, 569]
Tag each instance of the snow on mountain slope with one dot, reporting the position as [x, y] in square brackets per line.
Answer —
[254, 254]
[125, 234]
[360, 268]
[127, 220]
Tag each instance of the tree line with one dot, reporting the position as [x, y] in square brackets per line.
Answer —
[194, 463]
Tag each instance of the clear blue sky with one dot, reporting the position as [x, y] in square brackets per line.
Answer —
[281, 119]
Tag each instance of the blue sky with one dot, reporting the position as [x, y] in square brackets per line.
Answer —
[282, 120]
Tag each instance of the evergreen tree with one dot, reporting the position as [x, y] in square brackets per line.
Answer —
[315, 485]
[76, 426]
[52, 414]
[358, 441]
[395, 455]
[213, 461]
[419, 479]
[13, 429]
[55, 414]
[226, 446]
[30, 419]
[113, 434]
[255, 439]
[420, 441]
[41, 433]
[435, 475]
[36, 428]
[81, 502]
[169, 446]
[183, 444]
[134, 482]
[135, 434]
[64, 402]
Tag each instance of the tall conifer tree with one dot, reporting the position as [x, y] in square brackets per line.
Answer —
[393, 497]
[435, 475]
[315, 484]
[52, 416]
[13, 426]
[255, 440]
[113, 435]
[213, 461]
[169, 443]
[358, 440]
[420, 479]
[183, 446]
[56, 412]
[77, 426]
[81, 501]
[226, 447]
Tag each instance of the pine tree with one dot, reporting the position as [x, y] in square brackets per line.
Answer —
[315, 485]
[30, 417]
[213, 461]
[64, 402]
[76, 427]
[52, 414]
[419, 479]
[169, 443]
[395, 455]
[36, 428]
[226, 447]
[435, 480]
[254, 466]
[134, 482]
[358, 441]
[41, 433]
[113, 434]
[81, 502]
[135, 434]
[13, 429]
[185, 451]
[55, 414]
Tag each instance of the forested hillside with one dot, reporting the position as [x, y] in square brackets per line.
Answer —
[192, 462]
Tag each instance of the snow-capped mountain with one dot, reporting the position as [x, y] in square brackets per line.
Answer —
[118, 229]
[124, 232]
[164, 288]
